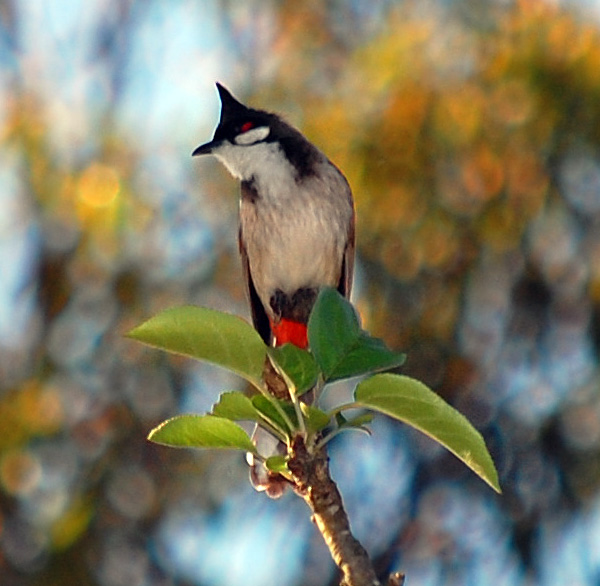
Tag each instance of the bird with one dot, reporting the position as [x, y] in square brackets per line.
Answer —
[296, 220]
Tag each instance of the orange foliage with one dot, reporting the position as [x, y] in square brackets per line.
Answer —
[449, 152]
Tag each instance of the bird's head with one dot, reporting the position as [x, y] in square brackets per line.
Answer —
[243, 136]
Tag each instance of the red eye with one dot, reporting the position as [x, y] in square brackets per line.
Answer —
[246, 126]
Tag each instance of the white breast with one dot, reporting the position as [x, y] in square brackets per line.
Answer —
[295, 233]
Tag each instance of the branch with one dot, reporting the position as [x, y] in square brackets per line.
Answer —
[313, 483]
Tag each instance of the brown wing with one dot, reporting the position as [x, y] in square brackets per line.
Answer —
[259, 316]
[345, 284]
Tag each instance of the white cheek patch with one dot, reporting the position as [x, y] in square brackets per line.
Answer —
[252, 136]
[247, 161]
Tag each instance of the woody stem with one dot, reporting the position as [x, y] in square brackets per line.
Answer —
[313, 482]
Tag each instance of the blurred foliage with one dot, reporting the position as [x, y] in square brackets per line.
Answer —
[471, 138]
[451, 154]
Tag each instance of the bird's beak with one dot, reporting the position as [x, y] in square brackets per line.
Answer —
[205, 149]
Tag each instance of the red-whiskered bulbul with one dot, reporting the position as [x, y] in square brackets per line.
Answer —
[296, 218]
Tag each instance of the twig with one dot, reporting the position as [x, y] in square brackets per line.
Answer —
[313, 483]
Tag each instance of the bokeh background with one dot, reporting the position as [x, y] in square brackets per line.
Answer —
[470, 132]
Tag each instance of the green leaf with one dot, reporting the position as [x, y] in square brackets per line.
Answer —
[273, 416]
[410, 401]
[278, 464]
[206, 334]
[358, 421]
[315, 419]
[298, 364]
[236, 406]
[201, 431]
[340, 347]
